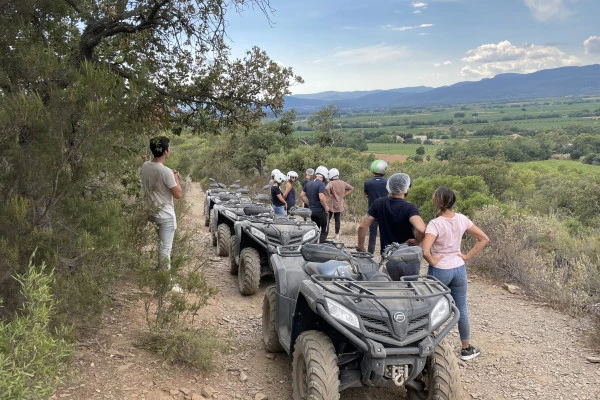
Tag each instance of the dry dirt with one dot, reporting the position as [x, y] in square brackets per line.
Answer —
[529, 351]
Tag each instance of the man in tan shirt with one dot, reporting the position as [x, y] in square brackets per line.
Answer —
[336, 190]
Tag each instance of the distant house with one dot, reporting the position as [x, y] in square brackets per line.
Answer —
[422, 138]
[516, 136]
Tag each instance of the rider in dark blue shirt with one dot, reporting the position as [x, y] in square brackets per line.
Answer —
[375, 188]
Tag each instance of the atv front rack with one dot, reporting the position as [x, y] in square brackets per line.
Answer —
[424, 286]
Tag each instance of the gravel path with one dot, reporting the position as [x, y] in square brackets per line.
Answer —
[529, 351]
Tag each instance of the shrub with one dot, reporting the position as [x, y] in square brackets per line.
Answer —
[32, 358]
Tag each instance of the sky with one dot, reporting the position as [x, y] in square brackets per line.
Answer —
[349, 45]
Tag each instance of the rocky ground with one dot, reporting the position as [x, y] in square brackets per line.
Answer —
[529, 351]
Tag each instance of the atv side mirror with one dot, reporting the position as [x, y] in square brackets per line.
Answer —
[317, 252]
[256, 210]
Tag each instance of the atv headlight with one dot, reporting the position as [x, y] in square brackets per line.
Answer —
[257, 233]
[440, 312]
[309, 235]
[341, 313]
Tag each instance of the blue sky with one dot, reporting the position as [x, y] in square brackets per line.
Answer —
[347, 45]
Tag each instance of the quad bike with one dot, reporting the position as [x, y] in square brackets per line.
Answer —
[218, 193]
[225, 214]
[257, 236]
[346, 324]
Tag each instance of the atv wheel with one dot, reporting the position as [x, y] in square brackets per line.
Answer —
[206, 214]
[249, 271]
[233, 266]
[315, 373]
[268, 321]
[223, 239]
[440, 378]
[213, 234]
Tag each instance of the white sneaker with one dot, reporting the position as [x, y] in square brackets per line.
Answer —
[176, 289]
[337, 236]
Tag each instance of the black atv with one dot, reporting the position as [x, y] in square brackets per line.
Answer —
[217, 193]
[257, 236]
[224, 215]
[346, 324]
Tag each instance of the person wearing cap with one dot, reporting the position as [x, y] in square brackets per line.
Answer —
[399, 221]
[336, 190]
[313, 194]
[309, 174]
[375, 188]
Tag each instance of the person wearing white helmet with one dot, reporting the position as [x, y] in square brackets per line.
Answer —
[336, 190]
[272, 180]
[399, 222]
[290, 192]
[313, 194]
[375, 188]
[277, 199]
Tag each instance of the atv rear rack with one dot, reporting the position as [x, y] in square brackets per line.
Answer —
[424, 287]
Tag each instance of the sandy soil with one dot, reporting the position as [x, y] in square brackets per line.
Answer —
[528, 350]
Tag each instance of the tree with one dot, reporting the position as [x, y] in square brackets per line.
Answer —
[83, 84]
[420, 151]
[322, 123]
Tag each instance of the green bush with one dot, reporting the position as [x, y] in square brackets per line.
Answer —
[33, 359]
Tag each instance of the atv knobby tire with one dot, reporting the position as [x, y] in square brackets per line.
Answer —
[269, 332]
[315, 373]
[206, 214]
[440, 377]
[233, 266]
[249, 271]
[213, 234]
[223, 239]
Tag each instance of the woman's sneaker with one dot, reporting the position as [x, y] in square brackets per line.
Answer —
[469, 353]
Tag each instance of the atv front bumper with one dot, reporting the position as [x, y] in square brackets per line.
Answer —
[389, 366]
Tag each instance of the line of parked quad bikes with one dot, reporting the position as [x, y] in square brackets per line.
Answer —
[333, 308]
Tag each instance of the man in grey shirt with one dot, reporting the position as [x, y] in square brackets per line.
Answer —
[160, 185]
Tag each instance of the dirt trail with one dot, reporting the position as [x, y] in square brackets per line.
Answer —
[528, 350]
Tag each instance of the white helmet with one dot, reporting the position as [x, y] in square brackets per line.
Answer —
[279, 177]
[334, 173]
[321, 170]
[292, 174]
[275, 171]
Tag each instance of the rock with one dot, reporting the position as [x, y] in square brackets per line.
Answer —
[593, 359]
[174, 392]
[260, 396]
[270, 356]
[157, 395]
[185, 391]
[243, 377]
[513, 289]
[208, 391]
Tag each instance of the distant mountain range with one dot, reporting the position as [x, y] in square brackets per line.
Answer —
[557, 82]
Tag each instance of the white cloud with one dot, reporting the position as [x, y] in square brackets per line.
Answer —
[369, 55]
[544, 10]
[592, 45]
[489, 60]
[398, 28]
[419, 5]
[425, 25]
[445, 64]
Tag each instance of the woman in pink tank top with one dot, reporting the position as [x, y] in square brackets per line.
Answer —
[441, 249]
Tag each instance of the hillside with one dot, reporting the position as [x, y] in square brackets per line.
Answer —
[557, 82]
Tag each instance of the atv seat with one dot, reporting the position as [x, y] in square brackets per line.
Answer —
[256, 210]
[332, 268]
[261, 197]
[217, 190]
[226, 196]
[320, 253]
[303, 213]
